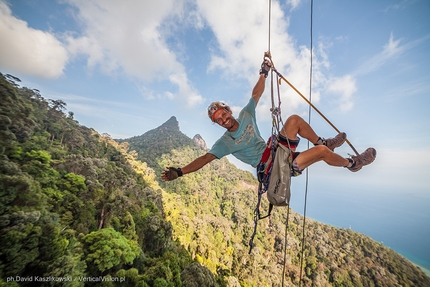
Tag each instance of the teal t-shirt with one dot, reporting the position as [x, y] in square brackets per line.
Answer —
[245, 143]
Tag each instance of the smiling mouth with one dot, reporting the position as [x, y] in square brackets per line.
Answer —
[229, 124]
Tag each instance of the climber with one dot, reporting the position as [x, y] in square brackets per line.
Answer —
[243, 140]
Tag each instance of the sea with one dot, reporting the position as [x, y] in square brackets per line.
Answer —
[398, 219]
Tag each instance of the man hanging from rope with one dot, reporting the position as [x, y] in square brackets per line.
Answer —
[243, 140]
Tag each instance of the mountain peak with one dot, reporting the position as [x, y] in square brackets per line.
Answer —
[171, 123]
[199, 141]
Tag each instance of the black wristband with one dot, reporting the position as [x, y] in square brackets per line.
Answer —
[179, 171]
[264, 72]
[265, 68]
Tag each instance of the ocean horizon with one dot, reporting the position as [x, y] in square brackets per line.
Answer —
[398, 219]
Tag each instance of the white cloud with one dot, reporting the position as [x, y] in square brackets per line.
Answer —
[181, 80]
[345, 87]
[411, 88]
[243, 36]
[391, 50]
[392, 47]
[131, 37]
[135, 38]
[294, 3]
[29, 51]
[241, 31]
[240, 35]
[84, 45]
[398, 6]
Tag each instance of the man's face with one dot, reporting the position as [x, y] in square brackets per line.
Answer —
[224, 119]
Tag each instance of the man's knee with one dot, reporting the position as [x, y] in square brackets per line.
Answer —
[322, 150]
[294, 118]
[292, 123]
[292, 126]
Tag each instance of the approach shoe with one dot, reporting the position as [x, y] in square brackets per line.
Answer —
[365, 158]
[335, 142]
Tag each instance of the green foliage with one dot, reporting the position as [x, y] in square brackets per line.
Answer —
[129, 230]
[157, 234]
[20, 242]
[73, 183]
[196, 275]
[80, 204]
[63, 186]
[107, 248]
[132, 278]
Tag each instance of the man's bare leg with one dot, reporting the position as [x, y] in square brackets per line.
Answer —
[295, 125]
[318, 153]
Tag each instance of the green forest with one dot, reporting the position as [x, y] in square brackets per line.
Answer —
[79, 208]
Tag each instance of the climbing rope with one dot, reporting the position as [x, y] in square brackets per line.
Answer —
[315, 109]
[276, 124]
[307, 169]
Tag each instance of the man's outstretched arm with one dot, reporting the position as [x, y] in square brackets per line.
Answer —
[260, 85]
[259, 88]
[193, 166]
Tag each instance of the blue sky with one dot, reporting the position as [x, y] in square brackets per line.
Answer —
[125, 67]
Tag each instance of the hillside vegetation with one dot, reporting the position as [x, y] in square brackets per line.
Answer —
[80, 209]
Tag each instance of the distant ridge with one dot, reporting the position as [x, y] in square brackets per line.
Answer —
[163, 139]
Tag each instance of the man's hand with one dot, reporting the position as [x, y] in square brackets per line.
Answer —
[171, 173]
[266, 65]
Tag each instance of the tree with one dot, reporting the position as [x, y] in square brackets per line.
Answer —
[73, 183]
[107, 248]
[196, 275]
[131, 278]
[129, 229]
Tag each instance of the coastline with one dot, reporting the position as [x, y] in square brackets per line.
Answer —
[425, 270]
